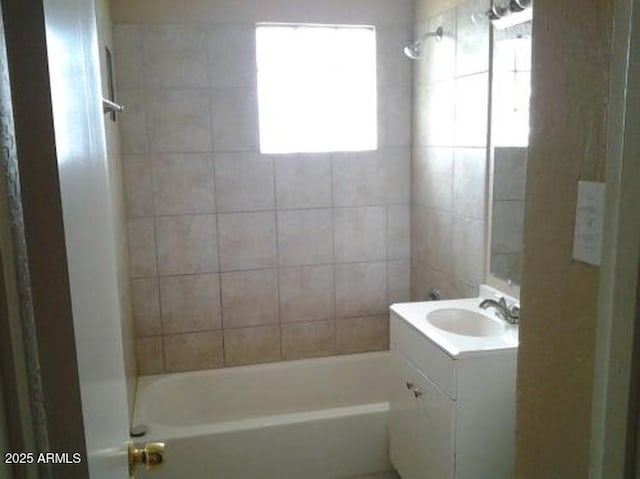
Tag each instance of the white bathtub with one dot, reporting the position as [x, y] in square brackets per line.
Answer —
[315, 418]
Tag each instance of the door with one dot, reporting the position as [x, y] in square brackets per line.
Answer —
[90, 232]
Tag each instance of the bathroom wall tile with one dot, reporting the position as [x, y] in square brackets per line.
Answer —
[436, 115]
[175, 56]
[187, 244]
[439, 57]
[394, 116]
[145, 303]
[190, 303]
[397, 174]
[232, 55]
[360, 234]
[250, 298]
[247, 241]
[179, 121]
[307, 340]
[469, 182]
[472, 110]
[507, 226]
[127, 56]
[433, 177]
[149, 355]
[419, 228]
[306, 293]
[182, 184]
[193, 351]
[133, 122]
[244, 182]
[468, 250]
[439, 239]
[303, 181]
[398, 279]
[142, 249]
[360, 289]
[235, 119]
[354, 335]
[251, 345]
[472, 53]
[137, 185]
[510, 165]
[424, 278]
[398, 232]
[393, 68]
[358, 179]
[305, 237]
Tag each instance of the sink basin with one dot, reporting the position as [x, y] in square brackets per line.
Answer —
[465, 322]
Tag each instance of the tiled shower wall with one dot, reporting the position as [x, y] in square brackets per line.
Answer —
[238, 257]
[449, 161]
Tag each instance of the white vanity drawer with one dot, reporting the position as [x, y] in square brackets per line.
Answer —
[425, 355]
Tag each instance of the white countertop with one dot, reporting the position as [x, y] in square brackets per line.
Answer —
[456, 345]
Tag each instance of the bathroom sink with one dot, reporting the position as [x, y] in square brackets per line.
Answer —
[465, 322]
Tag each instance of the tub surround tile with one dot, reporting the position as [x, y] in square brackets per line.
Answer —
[433, 177]
[439, 58]
[394, 116]
[149, 355]
[142, 249]
[439, 238]
[244, 182]
[247, 241]
[187, 244]
[306, 293]
[145, 302]
[468, 249]
[138, 187]
[358, 179]
[305, 237]
[398, 232]
[271, 247]
[193, 351]
[133, 122]
[469, 182]
[232, 55]
[360, 289]
[303, 181]
[250, 298]
[360, 234]
[127, 55]
[399, 280]
[190, 303]
[396, 164]
[182, 184]
[175, 56]
[362, 334]
[251, 345]
[179, 121]
[306, 340]
[235, 119]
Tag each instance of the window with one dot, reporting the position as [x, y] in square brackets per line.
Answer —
[316, 88]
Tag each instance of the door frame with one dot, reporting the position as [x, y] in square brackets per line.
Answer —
[612, 450]
[38, 236]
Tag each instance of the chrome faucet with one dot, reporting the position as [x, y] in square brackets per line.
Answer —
[510, 314]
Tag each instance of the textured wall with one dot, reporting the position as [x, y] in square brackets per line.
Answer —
[238, 257]
[571, 42]
[449, 160]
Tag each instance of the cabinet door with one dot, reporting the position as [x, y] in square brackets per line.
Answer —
[420, 425]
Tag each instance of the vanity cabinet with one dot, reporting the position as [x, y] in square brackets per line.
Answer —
[450, 417]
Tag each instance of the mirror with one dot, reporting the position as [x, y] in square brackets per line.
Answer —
[511, 91]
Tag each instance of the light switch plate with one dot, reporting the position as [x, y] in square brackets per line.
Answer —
[587, 238]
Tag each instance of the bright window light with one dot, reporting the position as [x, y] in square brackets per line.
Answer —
[316, 88]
